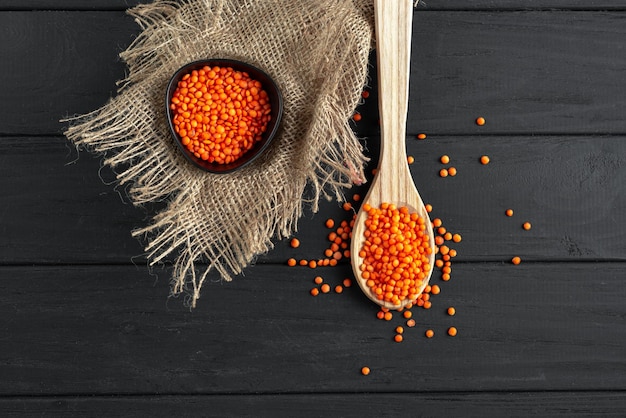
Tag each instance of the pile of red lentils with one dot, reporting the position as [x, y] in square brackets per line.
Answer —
[339, 244]
[219, 113]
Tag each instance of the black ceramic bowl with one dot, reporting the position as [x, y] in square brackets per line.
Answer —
[276, 102]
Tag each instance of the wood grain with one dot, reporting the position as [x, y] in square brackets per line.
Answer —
[111, 330]
[480, 404]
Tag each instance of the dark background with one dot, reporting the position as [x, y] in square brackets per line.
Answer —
[86, 328]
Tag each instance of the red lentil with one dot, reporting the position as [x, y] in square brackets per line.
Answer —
[526, 225]
[395, 253]
[219, 113]
[421, 136]
[484, 160]
[480, 121]
[295, 243]
[365, 371]
[516, 260]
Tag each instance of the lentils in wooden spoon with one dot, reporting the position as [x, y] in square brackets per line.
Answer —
[393, 248]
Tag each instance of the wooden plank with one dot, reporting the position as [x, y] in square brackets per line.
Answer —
[57, 64]
[110, 330]
[69, 4]
[55, 208]
[489, 404]
[526, 72]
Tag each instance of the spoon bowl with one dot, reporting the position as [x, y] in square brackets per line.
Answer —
[393, 182]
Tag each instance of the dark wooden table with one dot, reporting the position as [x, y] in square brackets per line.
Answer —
[86, 328]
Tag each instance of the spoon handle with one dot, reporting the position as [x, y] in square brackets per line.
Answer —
[393, 20]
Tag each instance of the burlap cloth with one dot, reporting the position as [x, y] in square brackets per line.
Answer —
[316, 51]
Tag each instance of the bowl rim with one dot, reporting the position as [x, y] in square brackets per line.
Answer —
[254, 72]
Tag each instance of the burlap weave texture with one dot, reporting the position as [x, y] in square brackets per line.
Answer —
[316, 51]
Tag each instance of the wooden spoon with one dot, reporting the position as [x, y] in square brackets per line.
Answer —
[393, 182]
